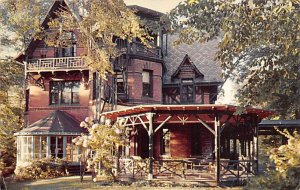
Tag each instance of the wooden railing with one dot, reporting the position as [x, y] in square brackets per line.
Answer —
[52, 64]
[237, 169]
[190, 168]
[137, 48]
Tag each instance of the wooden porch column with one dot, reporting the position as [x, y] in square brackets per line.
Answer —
[150, 134]
[48, 146]
[64, 147]
[255, 123]
[217, 148]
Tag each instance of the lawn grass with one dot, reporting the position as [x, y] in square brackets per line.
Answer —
[73, 183]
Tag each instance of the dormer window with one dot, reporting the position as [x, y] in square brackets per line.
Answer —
[187, 91]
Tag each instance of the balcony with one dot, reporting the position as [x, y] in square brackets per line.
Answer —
[55, 64]
[139, 49]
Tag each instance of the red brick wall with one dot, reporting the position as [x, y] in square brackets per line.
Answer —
[51, 51]
[180, 143]
[206, 138]
[135, 69]
[39, 106]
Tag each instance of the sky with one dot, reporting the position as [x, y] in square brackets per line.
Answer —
[163, 6]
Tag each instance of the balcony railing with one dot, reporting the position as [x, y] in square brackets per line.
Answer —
[137, 48]
[53, 64]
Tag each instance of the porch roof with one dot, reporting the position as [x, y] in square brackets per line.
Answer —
[57, 123]
[195, 108]
[279, 123]
[267, 127]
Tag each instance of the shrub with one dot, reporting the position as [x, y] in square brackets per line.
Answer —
[286, 159]
[42, 169]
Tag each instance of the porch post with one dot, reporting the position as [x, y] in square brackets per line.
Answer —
[150, 134]
[65, 147]
[255, 123]
[33, 147]
[48, 146]
[217, 148]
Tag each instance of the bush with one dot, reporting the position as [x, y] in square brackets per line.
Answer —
[42, 169]
[286, 160]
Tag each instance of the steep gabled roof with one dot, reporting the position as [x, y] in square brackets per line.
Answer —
[187, 62]
[201, 54]
[58, 122]
[57, 5]
[145, 12]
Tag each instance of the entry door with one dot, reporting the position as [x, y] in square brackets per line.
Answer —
[196, 141]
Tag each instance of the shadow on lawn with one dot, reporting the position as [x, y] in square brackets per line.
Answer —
[73, 183]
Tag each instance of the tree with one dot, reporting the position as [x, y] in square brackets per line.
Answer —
[104, 140]
[11, 109]
[97, 23]
[21, 20]
[259, 47]
[286, 159]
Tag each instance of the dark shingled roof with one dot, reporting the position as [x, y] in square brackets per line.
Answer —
[58, 122]
[201, 54]
[280, 123]
[143, 11]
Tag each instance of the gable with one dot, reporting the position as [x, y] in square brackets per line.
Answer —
[187, 70]
[52, 13]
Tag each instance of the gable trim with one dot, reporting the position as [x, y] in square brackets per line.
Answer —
[187, 58]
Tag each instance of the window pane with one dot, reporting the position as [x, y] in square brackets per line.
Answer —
[147, 83]
[44, 146]
[165, 149]
[69, 149]
[59, 148]
[52, 146]
[37, 147]
[146, 89]
[54, 92]
[66, 93]
[120, 87]
[75, 86]
[146, 77]
[75, 92]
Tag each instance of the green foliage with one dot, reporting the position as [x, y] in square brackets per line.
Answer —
[286, 159]
[11, 112]
[259, 46]
[104, 140]
[287, 156]
[98, 24]
[41, 169]
[22, 19]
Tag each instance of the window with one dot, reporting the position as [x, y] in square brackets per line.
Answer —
[64, 92]
[95, 86]
[165, 142]
[187, 91]
[25, 148]
[147, 83]
[68, 49]
[120, 83]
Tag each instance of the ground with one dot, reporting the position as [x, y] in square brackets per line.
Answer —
[73, 183]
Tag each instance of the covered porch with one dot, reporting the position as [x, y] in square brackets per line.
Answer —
[205, 142]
